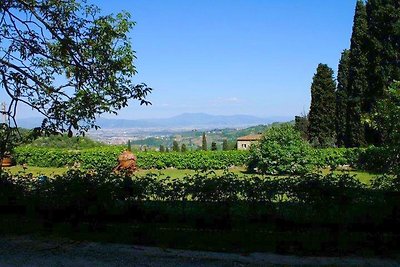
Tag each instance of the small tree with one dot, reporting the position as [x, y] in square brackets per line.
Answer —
[162, 149]
[214, 146]
[204, 142]
[129, 145]
[183, 148]
[281, 151]
[175, 146]
[167, 149]
[225, 146]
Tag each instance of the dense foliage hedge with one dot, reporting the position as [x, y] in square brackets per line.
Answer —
[106, 158]
[334, 157]
[373, 159]
[313, 197]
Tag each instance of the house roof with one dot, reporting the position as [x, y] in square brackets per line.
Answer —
[252, 137]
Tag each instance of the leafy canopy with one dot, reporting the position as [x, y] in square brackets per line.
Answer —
[67, 61]
[281, 151]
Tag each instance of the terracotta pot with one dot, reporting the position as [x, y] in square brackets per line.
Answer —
[6, 162]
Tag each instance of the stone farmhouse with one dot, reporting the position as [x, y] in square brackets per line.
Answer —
[244, 142]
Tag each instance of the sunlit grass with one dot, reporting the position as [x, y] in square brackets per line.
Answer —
[36, 171]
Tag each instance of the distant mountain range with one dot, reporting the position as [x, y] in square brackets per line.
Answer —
[186, 120]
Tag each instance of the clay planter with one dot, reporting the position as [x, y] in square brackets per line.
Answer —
[6, 162]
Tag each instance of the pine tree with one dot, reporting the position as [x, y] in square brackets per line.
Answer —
[175, 146]
[162, 148]
[321, 127]
[358, 78]
[342, 98]
[225, 146]
[183, 148]
[204, 142]
[214, 146]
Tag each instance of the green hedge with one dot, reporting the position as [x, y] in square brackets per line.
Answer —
[334, 157]
[106, 158]
[372, 159]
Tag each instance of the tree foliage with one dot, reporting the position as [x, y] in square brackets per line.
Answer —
[225, 145]
[358, 79]
[175, 146]
[281, 151]
[183, 148]
[322, 119]
[67, 61]
[386, 119]
[214, 146]
[301, 125]
[204, 142]
[342, 98]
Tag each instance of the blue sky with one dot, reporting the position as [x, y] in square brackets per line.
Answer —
[229, 57]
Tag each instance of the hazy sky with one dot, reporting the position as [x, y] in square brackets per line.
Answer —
[232, 56]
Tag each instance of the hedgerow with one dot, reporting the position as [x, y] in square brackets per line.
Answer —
[106, 158]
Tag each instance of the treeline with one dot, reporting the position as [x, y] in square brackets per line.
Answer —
[339, 113]
[176, 147]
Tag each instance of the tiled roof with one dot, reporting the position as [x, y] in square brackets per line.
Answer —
[252, 137]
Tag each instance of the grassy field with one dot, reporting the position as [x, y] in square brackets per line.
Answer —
[364, 177]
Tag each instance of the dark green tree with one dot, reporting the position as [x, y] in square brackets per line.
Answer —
[167, 149]
[214, 146]
[175, 146]
[342, 98]
[322, 116]
[204, 142]
[129, 145]
[383, 18]
[301, 125]
[386, 119]
[225, 146]
[358, 78]
[183, 148]
[162, 148]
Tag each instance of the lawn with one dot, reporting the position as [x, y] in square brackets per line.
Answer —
[36, 171]
[364, 177]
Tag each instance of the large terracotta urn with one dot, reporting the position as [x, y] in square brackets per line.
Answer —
[126, 162]
[6, 161]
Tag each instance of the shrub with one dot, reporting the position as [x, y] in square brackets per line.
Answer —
[281, 151]
[334, 157]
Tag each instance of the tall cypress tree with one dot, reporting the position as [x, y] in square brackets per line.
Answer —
[183, 148]
[225, 145]
[214, 146]
[384, 51]
[341, 97]
[204, 142]
[175, 146]
[322, 111]
[358, 78]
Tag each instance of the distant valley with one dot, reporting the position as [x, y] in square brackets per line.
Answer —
[186, 128]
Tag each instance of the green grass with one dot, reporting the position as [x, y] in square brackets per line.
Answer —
[36, 171]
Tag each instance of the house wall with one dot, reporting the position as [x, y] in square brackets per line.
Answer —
[244, 145]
